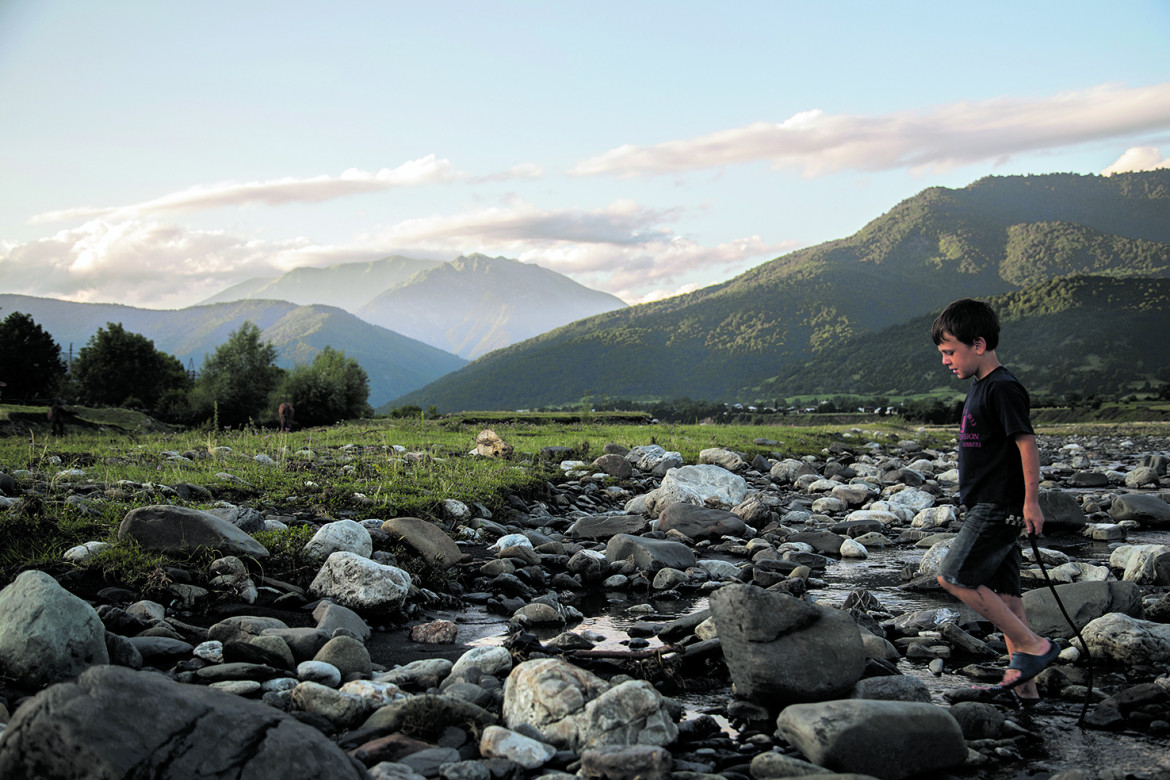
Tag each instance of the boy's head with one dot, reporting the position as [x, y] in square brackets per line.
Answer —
[966, 320]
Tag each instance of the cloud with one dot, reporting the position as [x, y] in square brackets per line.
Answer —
[317, 189]
[938, 139]
[1138, 158]
[624, 248]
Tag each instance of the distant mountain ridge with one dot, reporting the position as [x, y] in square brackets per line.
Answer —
[469, 306]
[394, 363]
[995, 236]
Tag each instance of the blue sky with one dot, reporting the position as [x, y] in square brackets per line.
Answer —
[154, 153]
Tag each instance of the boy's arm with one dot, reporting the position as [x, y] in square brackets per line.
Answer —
[1030, 461]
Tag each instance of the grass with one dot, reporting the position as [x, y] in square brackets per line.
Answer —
[77, 488]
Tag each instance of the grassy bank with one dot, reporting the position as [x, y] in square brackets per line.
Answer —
[77, 488]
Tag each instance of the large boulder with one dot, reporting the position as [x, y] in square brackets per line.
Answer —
[359, 583]
[339, 535]
[46, 633]
[700, 522]
[648, 554]
[573, 708]
[605, 526]
[1061, 510]
[1145, 564]
[1084, 601]
[114, 723]
[705, 485]
[886, 739]
[780, 649]
[1142, 508]
[181, 529]
[425, 538]
[1128, 640]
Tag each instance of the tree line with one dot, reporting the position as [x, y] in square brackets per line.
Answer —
[239, 384]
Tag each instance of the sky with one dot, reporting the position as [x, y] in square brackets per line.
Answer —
[155, 153]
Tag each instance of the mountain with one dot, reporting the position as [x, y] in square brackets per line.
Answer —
[394, 363]
[1076, 334]
[476, 304]
[345, 285]
[469, 306]
[995, 236]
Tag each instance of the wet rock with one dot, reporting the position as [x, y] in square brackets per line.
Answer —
[781, 649]
[700, 522]
[1084, 602]
[1128, 640]
[879, 738]
[1141, 508]
[649, 555]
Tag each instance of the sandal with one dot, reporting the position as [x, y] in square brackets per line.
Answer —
[1030, 665]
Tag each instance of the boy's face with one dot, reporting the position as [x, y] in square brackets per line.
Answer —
[964, 360]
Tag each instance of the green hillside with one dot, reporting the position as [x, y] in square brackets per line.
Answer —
[998, 235]
[1080, 334]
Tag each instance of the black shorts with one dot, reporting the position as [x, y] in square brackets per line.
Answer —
[986, 550]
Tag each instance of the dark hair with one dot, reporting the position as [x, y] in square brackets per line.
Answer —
[966, 320]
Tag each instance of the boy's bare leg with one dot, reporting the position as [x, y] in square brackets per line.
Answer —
[1007, 614]
[1027, 690]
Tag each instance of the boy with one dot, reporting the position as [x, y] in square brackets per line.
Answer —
[999, 476]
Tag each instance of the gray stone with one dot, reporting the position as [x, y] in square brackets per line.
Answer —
[340, 536]
[880, 738]
[1144, 509]
[114, 723]
[180, 529]
[46, 633]
[649, 555]
[1084, 602]
[781, 649]
[1128, 640]
[428, 540]
[699, 522]
[359, 583]
[606, 526]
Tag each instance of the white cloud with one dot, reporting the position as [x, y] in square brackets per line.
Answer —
[1138, 158]
[624, 248]
[938, 139]
[316, 189]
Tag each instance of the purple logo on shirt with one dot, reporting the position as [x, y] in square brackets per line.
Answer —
[968, 436]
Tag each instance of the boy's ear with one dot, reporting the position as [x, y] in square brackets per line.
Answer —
[980, 345]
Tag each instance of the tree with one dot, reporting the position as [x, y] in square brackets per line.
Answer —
[30, 360]
[236, 381]
[120, 368]
[332, 388]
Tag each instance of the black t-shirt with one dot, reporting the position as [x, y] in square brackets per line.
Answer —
[996, 412]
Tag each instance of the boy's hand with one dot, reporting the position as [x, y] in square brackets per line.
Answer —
[1033, 518]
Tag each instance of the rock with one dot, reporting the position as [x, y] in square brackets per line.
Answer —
[436, 632]
[1144, 509]
[780, 649]
[613, 465]
[245, 518]
[723, 458]
[490, 445]
[428, 712]
[896, 687]
[880, 738]
[339, 708]
[653, 459]
[330, 617]
[114, 723]
[649, 555]
[349, 655]
[1128, 640]
[499, 742]
[428, 540]
[700, 522]
[1145, 564]
[1061, 510]
[46, 633]
[637, 762]
[1142, 476]
[704, 485]
[606, 526]
[570, 707]
[340, 536]
[1084, 602]
[179, 529]
[359, 583]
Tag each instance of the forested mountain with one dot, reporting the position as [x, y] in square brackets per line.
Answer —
[394, 363]
[1078, 334]
[995, 236]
